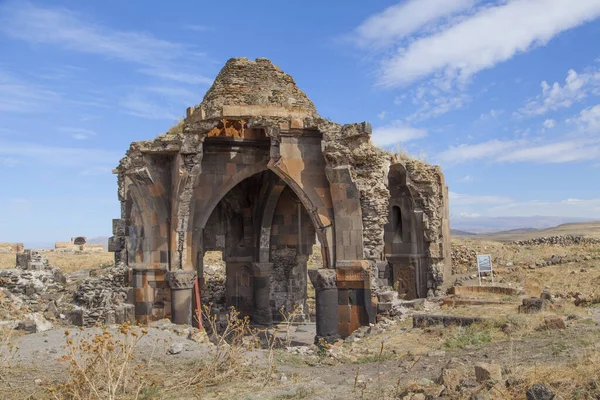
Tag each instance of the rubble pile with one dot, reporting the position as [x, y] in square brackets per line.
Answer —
[564, 240]
[213, 290]
[463, 258]
[34, 293]
[103, 299]
[36, 289]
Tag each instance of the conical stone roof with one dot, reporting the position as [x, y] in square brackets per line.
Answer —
[255, 88]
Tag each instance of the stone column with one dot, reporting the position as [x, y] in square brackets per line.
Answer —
[326, 296]
[262, 313]
[181, 283]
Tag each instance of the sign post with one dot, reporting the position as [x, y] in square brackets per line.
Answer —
[484, 264]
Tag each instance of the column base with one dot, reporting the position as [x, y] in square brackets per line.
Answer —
[181, 283]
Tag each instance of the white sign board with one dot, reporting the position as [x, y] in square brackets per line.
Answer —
[484, 264]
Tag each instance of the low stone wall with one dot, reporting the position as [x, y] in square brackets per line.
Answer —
[12, 247]
[564, 240]
[501, 290]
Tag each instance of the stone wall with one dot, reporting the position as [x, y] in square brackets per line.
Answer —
[11, 247]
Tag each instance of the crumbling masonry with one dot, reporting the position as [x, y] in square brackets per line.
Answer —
[255, 172]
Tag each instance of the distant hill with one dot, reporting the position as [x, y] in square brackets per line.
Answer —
[456, 232]
[486, 225]
[589, 229]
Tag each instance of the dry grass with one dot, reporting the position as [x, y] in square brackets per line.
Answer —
[67, 262]
[103, 367]
[577, 378]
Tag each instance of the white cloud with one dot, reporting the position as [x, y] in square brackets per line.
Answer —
[463, 199]
[466, 179]
[405, 18]
[480, 41]
[557, 152]
[381, 115]
[58, 26]
[78, 133]
[9, 162]
[492, 114]
[433, 103]
[589, 119]
[549, 123]
[470, 152]
[575, 149]
[573, 208]
[395, 133]
[157, 102]
[576, 88]
[59, 156]
[19, 96]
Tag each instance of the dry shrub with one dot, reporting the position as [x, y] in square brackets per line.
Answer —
[288, 319]
[233, 340]
[103, 366]
[577, 378]
[8, 353]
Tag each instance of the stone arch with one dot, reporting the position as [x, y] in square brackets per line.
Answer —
[318, 212]
[267, 221]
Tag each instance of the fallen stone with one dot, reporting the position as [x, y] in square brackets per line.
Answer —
[533, 305]
[546, 295]
[554, 323]
[540, 392]
[451, 378]
[425, 320]
[175, 348]
[387, 297]
[488, 372]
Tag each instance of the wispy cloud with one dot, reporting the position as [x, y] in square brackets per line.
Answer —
[573, 208]
[77, 133]
[463, 199]
[20, 96]
[59, 156]
[9, 162]
[556, 96]
[479, 41]
[466, 179]
[61, 27]
[157, 102]
[403, 19]
[395, 133]
[549, 123]
[497, 151]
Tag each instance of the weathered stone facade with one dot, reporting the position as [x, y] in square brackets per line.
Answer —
[256, 173]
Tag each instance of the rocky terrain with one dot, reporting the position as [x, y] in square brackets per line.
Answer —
[533, 334]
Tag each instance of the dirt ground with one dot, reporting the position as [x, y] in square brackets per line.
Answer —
[393, 360]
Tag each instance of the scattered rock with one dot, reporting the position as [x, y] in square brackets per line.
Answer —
[488, 372]
[540, 392]
[533, 305]
[175, 348]
[554, 322]
[451, 378]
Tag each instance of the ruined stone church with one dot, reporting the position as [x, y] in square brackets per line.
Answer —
[256, 173]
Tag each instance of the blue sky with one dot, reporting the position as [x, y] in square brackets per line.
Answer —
[504, 95]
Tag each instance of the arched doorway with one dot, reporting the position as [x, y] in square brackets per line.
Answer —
[266, 237]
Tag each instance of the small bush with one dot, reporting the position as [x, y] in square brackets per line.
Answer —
[103, 366]
[471, 336]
